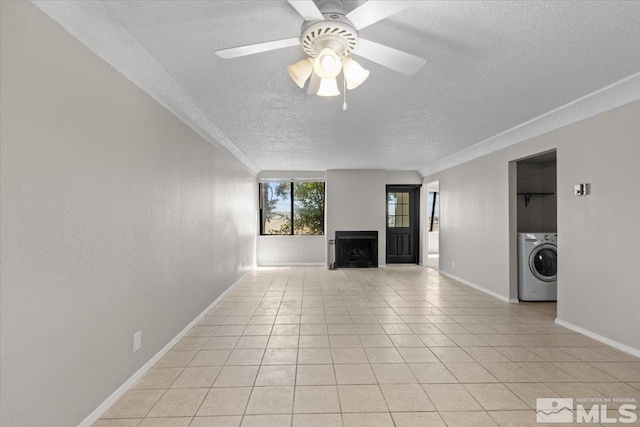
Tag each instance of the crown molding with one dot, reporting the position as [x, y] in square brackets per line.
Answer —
[96, 28]
[609, 97]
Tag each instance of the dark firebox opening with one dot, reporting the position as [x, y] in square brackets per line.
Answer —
[357, 249]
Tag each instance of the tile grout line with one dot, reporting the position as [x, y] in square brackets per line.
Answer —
[366, 292]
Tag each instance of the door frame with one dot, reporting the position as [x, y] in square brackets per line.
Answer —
[432, 187]
[514, 267]
[414, 213]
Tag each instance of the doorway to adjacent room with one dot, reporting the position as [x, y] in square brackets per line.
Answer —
[433, 225]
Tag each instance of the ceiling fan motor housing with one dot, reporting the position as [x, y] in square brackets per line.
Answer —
[335, 32]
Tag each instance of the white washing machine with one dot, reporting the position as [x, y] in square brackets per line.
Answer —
[537, 266]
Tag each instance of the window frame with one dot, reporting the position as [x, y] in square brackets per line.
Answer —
[292, 183]
[405, 204]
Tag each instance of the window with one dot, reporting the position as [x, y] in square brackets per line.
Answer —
[288, 207]
[398, 210]
[433, 204]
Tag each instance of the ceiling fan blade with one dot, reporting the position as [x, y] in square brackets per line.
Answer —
[308, 10]
[376, 10]
[397, 60]
[314, 84]
[236, 52]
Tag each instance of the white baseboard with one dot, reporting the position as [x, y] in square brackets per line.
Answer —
[100, 410]
[300, 264]
[478, 287]
[514, 301]
[615, 344]
[288, 264]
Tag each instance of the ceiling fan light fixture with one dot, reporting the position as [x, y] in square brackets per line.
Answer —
[329, 35]
[328, 87]
[354, 74]
[300, 71]
[327, 64]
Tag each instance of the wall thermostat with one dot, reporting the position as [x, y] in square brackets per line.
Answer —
[581, 189]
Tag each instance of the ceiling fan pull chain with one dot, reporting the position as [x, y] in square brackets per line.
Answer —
[344, 90]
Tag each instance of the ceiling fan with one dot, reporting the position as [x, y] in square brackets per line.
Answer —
[329, 36]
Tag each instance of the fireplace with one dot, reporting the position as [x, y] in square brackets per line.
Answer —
[356, 249]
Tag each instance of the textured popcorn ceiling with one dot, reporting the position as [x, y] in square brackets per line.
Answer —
[491, 66]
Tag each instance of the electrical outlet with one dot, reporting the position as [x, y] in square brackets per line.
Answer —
[137, 341]
[453, 264]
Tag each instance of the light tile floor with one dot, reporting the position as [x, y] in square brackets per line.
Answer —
[400, 346]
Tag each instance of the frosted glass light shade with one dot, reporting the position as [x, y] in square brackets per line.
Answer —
[327, 64]
[300, 71]
[328, 87]
[354, 74]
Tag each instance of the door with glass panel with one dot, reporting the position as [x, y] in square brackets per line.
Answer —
[403, 221]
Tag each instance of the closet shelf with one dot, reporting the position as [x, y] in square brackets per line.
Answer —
[527, 196]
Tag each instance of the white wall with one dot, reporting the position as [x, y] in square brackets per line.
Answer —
[474, 228]
[116, 217]
[598, 272]
[355, 201]
[434, 242]
[598, 234]
[403, 178]
[291, 250]
[310, 175]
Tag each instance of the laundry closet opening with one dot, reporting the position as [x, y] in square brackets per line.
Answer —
[537, 230]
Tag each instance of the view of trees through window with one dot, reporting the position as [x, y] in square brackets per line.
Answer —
[292, 207]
